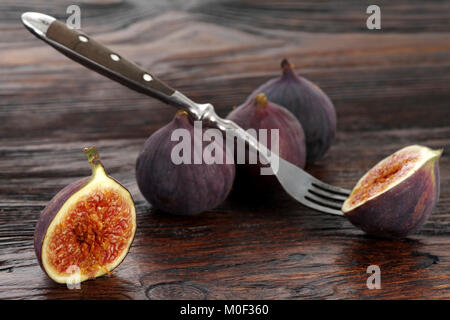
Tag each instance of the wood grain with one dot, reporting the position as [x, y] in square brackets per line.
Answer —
[390, 89]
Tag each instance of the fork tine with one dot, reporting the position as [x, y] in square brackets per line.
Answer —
[328, 187]
[329, 195]
[310, 191]
[313, 205]
[329, 203]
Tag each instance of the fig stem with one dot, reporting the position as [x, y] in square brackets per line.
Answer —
[261, 100]
[93, 157]
[285, 65]
[182, 113]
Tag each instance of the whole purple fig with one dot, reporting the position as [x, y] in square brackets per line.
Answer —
[259, 113]
[308, 103]
[183, 187]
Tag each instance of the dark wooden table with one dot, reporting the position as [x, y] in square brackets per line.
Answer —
[390, 88]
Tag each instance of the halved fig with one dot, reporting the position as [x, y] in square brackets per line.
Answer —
[87, 228]
[398, 194]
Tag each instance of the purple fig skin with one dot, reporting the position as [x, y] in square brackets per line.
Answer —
[183, 189]
[263, 114]
[312, 107]
[403, 209]
[49, 213]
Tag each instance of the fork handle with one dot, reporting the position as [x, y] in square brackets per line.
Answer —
[83, 49]
[92, 54]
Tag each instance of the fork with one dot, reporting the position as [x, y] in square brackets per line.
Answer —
[81, 48]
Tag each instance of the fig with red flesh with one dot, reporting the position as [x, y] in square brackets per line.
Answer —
[87, 228]
[398, 194]
[185, 188]
[308, 103]
[260, 113]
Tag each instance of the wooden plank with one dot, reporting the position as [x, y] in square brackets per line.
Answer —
[390, 89]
